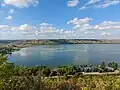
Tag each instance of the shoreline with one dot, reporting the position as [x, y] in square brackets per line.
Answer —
[59, 41]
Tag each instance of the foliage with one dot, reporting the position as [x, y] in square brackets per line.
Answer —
[62, 78]
[113, 65]
[103, 65]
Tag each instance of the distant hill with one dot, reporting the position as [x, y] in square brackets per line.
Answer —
[58, 41]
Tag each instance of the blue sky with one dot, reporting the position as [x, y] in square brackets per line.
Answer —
[53, 19]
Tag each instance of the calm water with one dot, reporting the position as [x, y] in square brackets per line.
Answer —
[55, 55]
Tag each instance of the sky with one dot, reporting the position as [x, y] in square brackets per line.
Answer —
[59, 19]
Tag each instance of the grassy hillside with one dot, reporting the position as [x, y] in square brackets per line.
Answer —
[43, 78]
[59, 41]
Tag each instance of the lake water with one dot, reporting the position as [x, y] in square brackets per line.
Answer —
[66, 54]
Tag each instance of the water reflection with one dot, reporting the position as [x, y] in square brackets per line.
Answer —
[55, 55]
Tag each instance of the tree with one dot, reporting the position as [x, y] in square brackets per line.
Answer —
[46, 72]
[103, 65]
[53, 73]
[113, 65]
[61, 71]
[5, 68]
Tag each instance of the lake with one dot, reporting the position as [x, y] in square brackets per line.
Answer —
[66, 54]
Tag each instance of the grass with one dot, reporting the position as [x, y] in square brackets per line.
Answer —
[23, 78]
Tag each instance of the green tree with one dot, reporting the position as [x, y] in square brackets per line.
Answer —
[46, 72]
[113, 65]
[6, 69]
[103, 65]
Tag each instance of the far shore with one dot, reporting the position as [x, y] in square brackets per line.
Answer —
[30, 43]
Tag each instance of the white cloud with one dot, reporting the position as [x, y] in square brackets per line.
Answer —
[105, 34]
[73, 3]
[92, 2]
[80, 24]
[82, 28]
[11, 11]
[45, 24]
[89, 32]
[83, 8]
[99, 4]
[8, 17]
[108, 25]
[44, 30]
[4, 27]
[77, 21]
[3, 5]
[25, 27]
[21, 3]
[108, 3]
[89, 4]
[84, 24]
